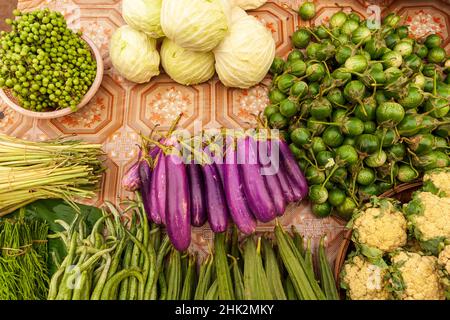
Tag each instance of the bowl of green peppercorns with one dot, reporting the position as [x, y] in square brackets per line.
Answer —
[46, 69]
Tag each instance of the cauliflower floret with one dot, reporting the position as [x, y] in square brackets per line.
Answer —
[429, 218]
[383, 228]
[438, 181]
[363, 280]
[416, 277]
[444, 259]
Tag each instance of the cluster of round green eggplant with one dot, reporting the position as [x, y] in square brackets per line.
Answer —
[363, 109]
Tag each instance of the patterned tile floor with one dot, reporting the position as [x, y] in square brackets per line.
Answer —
[121, 109]
[6, 7]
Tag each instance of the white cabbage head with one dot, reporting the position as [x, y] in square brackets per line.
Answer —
[248, 4]
[143, 15]
[197, 25]
[134, 55]
[245, 55]
[185, 66]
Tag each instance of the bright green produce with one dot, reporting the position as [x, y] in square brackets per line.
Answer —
[307, 10]
[23, 259]
[326, 275]
[185, 66]
[45, 64]
[101, 258]
[196, 25]
[134, 260]
[134, 55]
[143, 15]
[41, 170]
[370, 111]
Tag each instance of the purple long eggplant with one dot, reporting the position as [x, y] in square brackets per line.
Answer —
[255, 188]
[285, 185]
[197, 190]
[272, 182]
[295, 175]
[216, 157]
[216, 205]
[159, 190]
[145, 175]
[234, 193]
[131, 180]
[178, 214]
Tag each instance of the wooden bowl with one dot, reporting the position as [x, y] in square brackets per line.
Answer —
[402, 193]
[7, 97]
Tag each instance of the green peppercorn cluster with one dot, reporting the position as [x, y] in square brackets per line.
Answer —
[46, 65]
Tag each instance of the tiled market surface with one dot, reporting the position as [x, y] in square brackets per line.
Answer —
[121, 110]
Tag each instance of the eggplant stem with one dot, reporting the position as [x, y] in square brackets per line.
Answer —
[314, 35]
[330, 175]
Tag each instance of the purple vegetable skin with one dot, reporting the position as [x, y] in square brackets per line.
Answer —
[285, 185]
[234, 193]
[295, 175]
[155, 211]
[131, 180]
[197, 190]
[178, 214]
[272, 181]
[159, 186]
[145, 175]
[215, 199]
[255, 188]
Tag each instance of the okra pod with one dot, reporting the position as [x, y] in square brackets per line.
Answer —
[327, 279]
[174, 276]
[272, 271]
[213, 291]
[205, 280]
[225, 285]
[188, 289]
[296, 272]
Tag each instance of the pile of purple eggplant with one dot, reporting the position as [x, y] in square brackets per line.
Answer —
[252, 180]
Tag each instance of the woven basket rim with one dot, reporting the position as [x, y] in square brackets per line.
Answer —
[4, 94]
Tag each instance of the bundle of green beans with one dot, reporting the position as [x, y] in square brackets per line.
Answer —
[115, 261]
[40, 170]
[23, 259]
[136, 261]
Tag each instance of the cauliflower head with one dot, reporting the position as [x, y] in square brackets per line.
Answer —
[415, 277]
[444, 259]
[438, 182]
[429, 219]
[379, 229]
[363, 280]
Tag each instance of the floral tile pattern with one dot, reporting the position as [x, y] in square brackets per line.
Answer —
[122, 110]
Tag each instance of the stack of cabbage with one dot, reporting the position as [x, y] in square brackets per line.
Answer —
[392, 263]
[200, 37]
